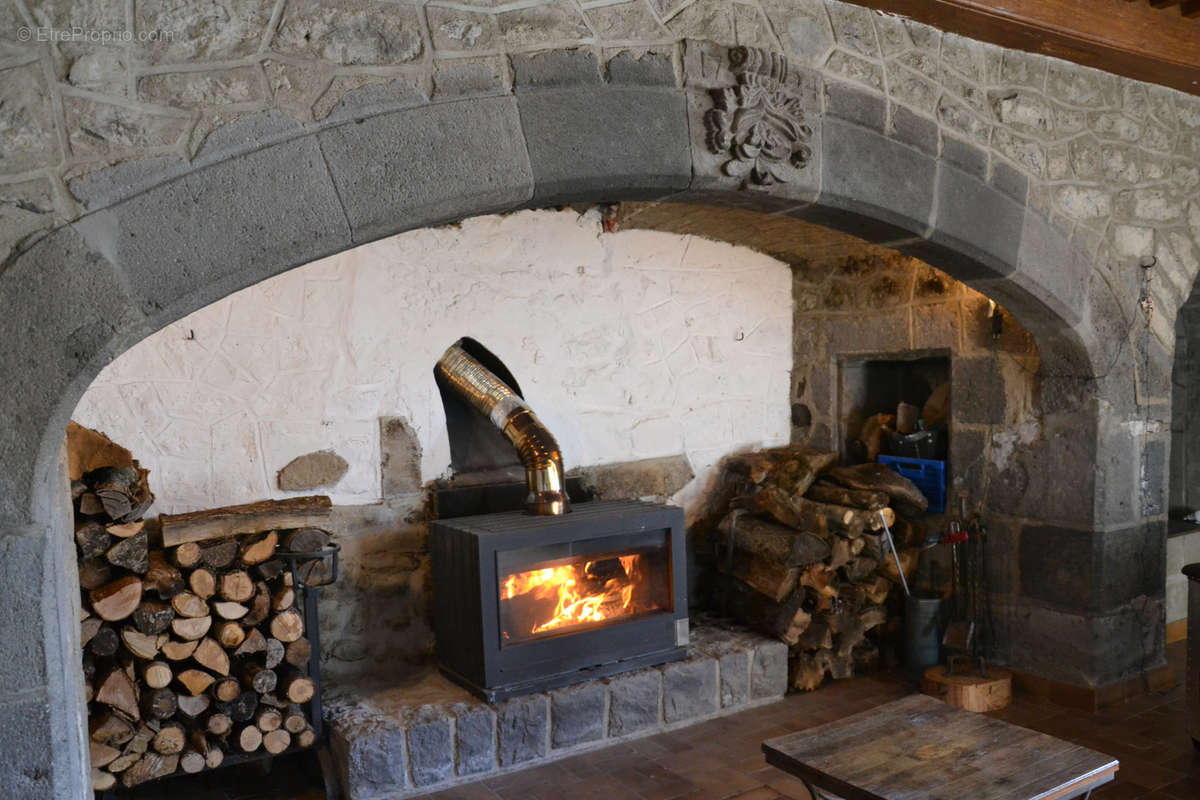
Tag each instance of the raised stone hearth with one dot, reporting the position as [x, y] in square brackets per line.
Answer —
[397, 741]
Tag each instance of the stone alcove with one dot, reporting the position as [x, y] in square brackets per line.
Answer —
[264, 195]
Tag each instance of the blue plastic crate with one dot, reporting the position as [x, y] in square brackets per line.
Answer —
[929, 476]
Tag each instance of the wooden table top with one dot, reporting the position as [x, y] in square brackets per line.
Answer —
[919, 748]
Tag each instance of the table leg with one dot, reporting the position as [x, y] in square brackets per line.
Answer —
[818, 794]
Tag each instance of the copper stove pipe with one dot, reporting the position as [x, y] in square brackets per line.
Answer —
[535, 445]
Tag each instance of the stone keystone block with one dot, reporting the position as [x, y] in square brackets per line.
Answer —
[689, 688]
[524, 726]
[576, 715]
[635, 701]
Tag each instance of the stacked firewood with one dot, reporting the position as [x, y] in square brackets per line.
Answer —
[804, 557]
[193, 640]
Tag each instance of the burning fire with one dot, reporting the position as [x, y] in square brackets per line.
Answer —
[584, 593]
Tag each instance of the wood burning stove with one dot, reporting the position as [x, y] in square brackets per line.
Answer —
[524, 603]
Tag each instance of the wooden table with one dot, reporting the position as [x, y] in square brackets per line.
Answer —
[919, 748]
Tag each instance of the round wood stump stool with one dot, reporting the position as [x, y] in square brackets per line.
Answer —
[970, 692]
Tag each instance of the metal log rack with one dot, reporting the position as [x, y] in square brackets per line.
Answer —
[310, 594]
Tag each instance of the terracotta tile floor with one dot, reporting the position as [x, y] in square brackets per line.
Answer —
[721, 759]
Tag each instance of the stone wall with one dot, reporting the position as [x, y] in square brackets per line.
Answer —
[1114, 161]
[1185, 411]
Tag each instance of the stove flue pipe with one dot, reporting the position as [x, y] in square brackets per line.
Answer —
[535, 445]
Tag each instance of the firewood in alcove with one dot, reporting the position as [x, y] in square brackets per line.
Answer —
[219, 724]
[143, 646]
[298, 653]
[250, 518]
[785, 620]
[170, 739]
[248, 738]
[828, 492]
[109, 728]
[235, 586]
[258, 678]
[187, 555]
[179, 651]
[125, 530]
[162, 578]
[274, 653]
[219, 554]
[92, 539]
[774, 542]
[877, 477]
[226, 689]
[102, 780]
[257, 549]
[294, 720]
[117, 600]
[287, 625]
[296, 686]
[212, 656]
[284, 598]
[88, 627]
[243, 707]
[260, 605]
[229, 610]
[194, 681]
[157, 674]
[118, 692]
[191, 627]
[192, 707]
[159, 703]
[101, 754]
[189, 605]
[149, 767]
[770, 578]
[276, 741]
[230, 634]
[191, 762]
[105, 642]
[153, 617]
[94, 573]
[203, 583]
[306, 737]
[254, 642]
[268, 719]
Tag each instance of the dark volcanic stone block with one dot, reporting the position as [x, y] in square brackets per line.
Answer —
[430, 753]
[734, 669]
[689, 688]
[524, 725]
[475, 736]
[769, 670]
[370, 755]
[605, 144]
[635, 700]
[855, 105]
[576, 715]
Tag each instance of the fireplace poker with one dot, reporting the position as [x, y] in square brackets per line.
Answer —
[892, 544]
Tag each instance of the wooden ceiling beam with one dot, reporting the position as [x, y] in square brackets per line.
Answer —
[1130, 39]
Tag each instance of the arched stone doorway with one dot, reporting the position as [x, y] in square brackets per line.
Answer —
[266, 195]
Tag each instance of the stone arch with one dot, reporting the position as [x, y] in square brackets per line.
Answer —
[159, 240]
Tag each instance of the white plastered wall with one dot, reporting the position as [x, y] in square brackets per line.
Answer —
[628, 345]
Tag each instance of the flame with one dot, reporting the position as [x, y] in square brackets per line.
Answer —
[576, 603]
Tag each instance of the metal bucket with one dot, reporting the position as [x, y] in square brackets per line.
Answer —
[922, 632]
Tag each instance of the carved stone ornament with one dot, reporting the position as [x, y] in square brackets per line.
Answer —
[758, 122]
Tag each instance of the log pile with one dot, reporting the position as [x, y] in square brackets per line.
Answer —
[192, 651]
[802, 554]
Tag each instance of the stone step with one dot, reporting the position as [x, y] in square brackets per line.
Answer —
[395, 742]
